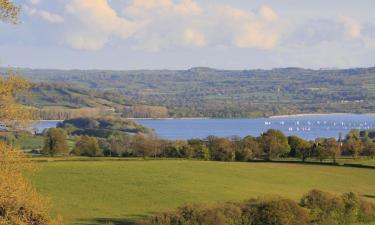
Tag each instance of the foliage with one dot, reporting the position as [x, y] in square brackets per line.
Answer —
[10, 110]
[101, 127]
[9, 12]
[55, 142]
[353, 144]
[274, 144]
[299, 147]
[316, 208]
[87, 146]
[221, 149]
[369, 149]
[329, 209]
[249, 149]
[20, 204]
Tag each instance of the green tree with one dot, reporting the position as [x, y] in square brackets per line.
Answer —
[299, 147]
[55, 142]
[353, 144]
[87, 146]
[369, 149]
[249, 149]
[274, 144]
[221, 149]
[332, 148]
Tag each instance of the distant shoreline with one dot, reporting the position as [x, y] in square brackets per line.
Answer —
[206, 118]
[317, 114]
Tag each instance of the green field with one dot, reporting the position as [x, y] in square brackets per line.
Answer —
[121, 191]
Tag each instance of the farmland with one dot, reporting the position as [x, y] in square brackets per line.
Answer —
[95, 192]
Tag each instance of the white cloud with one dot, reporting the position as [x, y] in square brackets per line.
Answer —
[92, 23]
[352, 27]
[45, 15]
[267, 13]
[158, 24]
[35, 2]
[194, 38]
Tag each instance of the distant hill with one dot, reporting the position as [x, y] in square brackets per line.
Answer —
[70, 96]
[207, 92]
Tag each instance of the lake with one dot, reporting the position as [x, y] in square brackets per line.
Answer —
[308, 126]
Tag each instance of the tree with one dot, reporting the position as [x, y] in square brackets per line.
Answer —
[274, 144]
[87, 146]
[249, 149]
[332, 148]
[9, 12]
[144, 146]
[369, 149]
[221, 149]
[10, 110]
[19, 201]
[299, 147]
[353, 144]
[55, 142]
[200, 149]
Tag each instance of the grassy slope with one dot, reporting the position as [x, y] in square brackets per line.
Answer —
[88, 192]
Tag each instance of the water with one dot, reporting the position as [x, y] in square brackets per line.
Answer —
[309, 127]
[41, 125]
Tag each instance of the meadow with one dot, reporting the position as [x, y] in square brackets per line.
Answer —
[95, 192]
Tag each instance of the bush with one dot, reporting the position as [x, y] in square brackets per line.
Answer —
[329, 209]
[316, 208]
[274, 212]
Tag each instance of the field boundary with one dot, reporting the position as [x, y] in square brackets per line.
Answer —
[119, 159]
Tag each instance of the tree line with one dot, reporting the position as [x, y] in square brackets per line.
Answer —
[270, 145]
[315, 208]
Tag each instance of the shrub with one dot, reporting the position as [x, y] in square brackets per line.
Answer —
[274, 212]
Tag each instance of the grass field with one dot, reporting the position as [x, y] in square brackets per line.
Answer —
[121, 191]
[30, 142]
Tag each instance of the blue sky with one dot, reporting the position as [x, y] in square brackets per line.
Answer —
[180, 34]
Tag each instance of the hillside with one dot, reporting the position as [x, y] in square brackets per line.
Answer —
[206, 92]
[70, 96]
[61, 100]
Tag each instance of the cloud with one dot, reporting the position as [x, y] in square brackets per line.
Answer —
[43, 14]
[267, 13]
[35, 2]
[92, 23]
[153, 25]
[352, 27]
[194, 38]
[312, 32]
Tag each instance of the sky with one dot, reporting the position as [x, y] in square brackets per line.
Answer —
[181, 34]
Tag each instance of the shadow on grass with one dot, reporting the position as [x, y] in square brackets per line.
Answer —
[115, 221]
[369, 196]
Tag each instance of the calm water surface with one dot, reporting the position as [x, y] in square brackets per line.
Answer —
[309, 126]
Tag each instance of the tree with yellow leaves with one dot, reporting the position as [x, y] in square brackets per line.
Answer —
[8, 11]
[20, 204]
